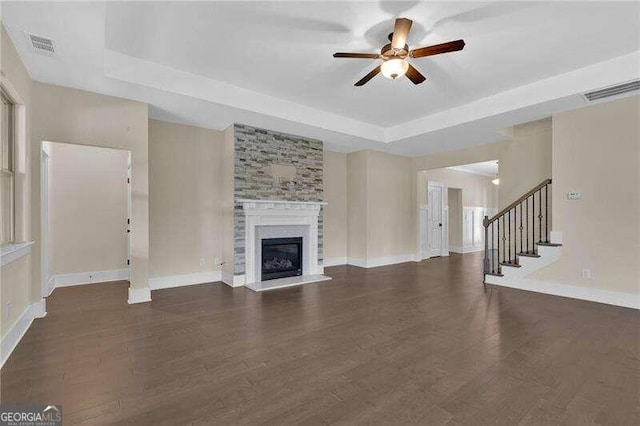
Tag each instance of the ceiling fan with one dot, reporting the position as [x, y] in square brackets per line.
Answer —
[395, 55]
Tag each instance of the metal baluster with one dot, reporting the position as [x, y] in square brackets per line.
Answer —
[546, 211]
[533, 220]
[527, 221]
[540, 215]
[521, 249]
[504, 238]
[493, 269]
[509, 238]
[498, 241]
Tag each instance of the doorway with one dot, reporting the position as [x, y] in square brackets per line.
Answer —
[85, 215]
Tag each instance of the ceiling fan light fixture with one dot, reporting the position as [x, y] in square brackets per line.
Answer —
[394, 68]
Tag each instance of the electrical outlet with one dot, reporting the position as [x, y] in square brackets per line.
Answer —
[7, 310]
[586, 273]
[202, 262]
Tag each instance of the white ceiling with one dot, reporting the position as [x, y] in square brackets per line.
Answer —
[485, 168]
[269, 63]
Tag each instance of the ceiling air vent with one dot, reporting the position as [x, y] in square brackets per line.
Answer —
[42, 44]
[618, 89]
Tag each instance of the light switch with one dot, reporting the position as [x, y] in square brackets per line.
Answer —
[574, 195]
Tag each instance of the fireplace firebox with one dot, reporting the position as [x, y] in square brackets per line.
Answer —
[281, 257]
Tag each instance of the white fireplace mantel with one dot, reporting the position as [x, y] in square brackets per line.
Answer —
[299, 218]
[281, 205]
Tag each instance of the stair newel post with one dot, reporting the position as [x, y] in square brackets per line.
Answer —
[498, 252]
[485, 223]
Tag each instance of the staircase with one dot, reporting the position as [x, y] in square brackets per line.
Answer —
[516, 240]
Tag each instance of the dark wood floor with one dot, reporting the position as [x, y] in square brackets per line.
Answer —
[412, 343]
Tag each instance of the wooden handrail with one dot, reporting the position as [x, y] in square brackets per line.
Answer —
[518, 201]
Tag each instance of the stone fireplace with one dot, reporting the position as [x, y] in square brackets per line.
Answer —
[277, 184]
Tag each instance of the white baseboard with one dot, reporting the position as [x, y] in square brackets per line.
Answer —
[51, 285]
[381, 261]
[465, 249]
[81, 278]
[15, 333]
[185, 279]
[627, 300]
[139, 295]
[233, 280]
[335, 261]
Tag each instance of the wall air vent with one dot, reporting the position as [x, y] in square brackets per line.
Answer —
[618, 89]
[42, 44]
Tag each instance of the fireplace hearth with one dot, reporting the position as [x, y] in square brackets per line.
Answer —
[281, 257]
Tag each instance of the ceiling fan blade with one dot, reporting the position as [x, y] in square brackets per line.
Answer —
[356, 55]
[401, 32]
[368, 77]
[414, 75]
[437, 49]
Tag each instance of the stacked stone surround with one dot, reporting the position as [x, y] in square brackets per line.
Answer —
[255, 150]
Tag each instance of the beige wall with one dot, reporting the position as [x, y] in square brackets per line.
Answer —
[596, 150]
[357, 210]
[526, 161]
[228, 201]
[389, 205]
[87, 208]
[74, 116]
[454, 195]
[16, 285]
[335, 212]
[185, 209]
[379, 202]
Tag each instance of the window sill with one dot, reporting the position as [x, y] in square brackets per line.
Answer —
[14, 251]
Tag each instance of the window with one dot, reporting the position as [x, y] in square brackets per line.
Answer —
[7, 177]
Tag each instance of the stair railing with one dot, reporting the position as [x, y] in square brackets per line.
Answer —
[517, 229]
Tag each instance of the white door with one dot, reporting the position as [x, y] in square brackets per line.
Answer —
[436, 219]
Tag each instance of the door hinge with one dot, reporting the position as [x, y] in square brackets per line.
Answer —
[128, 221]
[128, 180]
[128, 262]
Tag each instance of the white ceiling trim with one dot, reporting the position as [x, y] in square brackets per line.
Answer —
[603, 74]
[485, 168]
[150, 74]
[145, 73]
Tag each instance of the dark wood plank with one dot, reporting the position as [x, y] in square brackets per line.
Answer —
[413, 343]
